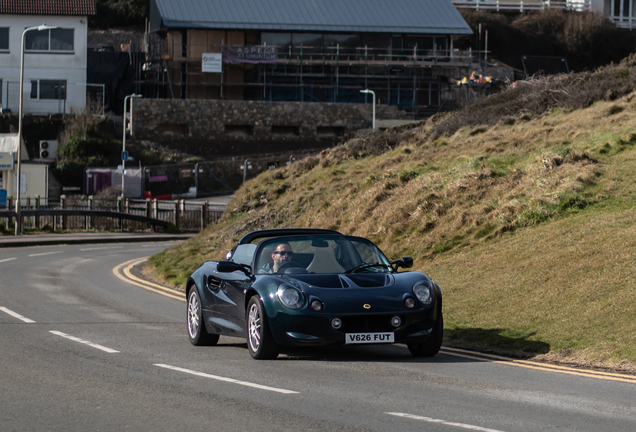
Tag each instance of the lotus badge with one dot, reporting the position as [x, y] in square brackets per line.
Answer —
[367, 306]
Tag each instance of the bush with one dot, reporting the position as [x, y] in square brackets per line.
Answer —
[85, 142]
[586, 39]
[537, 96]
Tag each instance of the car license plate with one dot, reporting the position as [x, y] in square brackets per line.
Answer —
[362, 338]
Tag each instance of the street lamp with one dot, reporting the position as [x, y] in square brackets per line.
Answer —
[18, 224]
[373, 93]
[124, 156]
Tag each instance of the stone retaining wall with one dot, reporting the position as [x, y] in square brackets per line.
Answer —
[213, 128]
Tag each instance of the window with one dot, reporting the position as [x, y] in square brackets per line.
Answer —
[4, 39]
[50, 40]
[48, 89]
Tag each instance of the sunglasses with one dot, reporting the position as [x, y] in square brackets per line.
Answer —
[284, 253]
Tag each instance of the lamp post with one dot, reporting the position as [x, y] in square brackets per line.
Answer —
[18, 207]
[373, 94]
[123, 150]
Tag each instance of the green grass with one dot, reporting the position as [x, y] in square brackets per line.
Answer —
[527, 226]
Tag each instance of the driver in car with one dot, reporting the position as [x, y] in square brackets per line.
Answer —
[282, 254]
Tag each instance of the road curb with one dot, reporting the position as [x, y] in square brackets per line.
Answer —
[123, 271]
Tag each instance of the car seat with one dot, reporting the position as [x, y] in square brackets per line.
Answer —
[325, 262]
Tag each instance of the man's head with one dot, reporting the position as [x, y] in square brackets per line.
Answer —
[282, 254]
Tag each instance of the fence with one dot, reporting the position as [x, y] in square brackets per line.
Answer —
[185, 216]
[209, 178]
[521, 6]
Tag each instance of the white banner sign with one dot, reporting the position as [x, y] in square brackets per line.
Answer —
[6, 161]
[212, 62]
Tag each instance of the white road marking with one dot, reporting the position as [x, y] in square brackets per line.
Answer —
[82, 341]
[7, 259]
[102, 248]
[444, 422]
[230, 380]
[16, 315]
[46, 253]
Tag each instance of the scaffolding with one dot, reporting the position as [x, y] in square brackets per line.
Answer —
[417, 80]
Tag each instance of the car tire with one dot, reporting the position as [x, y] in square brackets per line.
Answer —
[260, 342]
[197, 333]
[431, 347]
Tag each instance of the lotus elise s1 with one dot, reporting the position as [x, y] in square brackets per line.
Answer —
[312, 287]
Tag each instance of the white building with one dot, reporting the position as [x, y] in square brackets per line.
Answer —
[34, 178]
[54, 60]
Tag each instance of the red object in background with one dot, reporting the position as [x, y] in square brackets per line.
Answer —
[148, 195]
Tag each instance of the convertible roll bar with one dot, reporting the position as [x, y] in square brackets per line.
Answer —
[250, 237]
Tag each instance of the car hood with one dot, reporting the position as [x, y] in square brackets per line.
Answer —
[366, 280]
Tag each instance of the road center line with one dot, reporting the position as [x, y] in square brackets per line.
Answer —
[85, 342]
[16, 315]
[444, 422]
[101, 248]
[230, 380]
[7, 259]
[46, 253]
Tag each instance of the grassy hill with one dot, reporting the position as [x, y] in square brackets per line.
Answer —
[521, 206]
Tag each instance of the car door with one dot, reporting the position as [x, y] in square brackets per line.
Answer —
[230, 295]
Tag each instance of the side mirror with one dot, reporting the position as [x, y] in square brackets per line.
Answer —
[405, 262]
[230, 266]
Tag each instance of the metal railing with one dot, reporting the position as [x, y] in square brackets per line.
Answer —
[86, 213]
[523, 6]
[309, 54]
[624, 22]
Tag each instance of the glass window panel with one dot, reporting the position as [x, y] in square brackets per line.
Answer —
[281, 40]
[423, 43]
[4, 38]
[442, 44]
[34, 89]
[312, 40]
[62, 40]
[52, 89]
[350, 41]
[37, 40]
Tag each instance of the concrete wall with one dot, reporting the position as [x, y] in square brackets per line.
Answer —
[69, 66]
[212, 128]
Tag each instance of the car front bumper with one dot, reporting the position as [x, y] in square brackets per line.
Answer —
[298, 329]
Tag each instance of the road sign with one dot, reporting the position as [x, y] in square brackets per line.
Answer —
[124, 155]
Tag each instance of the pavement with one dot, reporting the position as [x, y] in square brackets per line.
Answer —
[87, 238]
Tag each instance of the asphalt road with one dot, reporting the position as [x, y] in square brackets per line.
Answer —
[83, 350]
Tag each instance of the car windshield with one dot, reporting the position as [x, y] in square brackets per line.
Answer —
[323, 254]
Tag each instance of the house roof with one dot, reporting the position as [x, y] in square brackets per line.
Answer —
[48, 7]
[359, 16]
[9, 144]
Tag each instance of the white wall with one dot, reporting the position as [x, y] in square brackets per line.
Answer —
[69, 66]
[35, 181]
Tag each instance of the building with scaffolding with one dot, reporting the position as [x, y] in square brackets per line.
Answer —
[309, 51]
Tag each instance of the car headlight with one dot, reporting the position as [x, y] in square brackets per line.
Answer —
[290, 296]
[423, 292]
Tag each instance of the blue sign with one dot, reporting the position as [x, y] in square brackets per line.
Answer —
[3, 198]
[124, 155]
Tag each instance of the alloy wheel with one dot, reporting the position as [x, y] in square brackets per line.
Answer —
[194, 310]
[254, 326]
